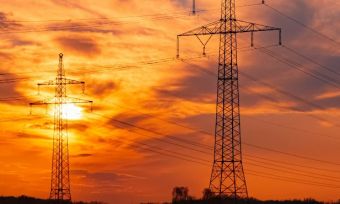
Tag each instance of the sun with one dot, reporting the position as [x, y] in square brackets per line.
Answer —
[71, 112]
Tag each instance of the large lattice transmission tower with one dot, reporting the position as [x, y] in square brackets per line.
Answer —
[60, 176]
[227, 175]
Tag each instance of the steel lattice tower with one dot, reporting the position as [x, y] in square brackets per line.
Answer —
[60, 176]
[227, 175]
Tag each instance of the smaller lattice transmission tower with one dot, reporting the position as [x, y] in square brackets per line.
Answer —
[60, 176]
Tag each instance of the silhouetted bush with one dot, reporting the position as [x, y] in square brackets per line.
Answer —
[180, 194]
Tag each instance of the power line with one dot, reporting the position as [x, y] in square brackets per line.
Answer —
[170, 153]
[293, 164]
[298, 67]
[20, 119]
[124, 17]
[205, 162]
[327, 177]
[103, 68]
[292, 173]
[270, 86]
[197, 144]
[292, 154]
[104, 18]
[176, 155]
[73, 27]
[101, 24]
[311, 60]
[295, 97]
[291, 170]
[288, 179]
[107, 67]
[295, 128]
[271, 54]
[210, 134]
[303, 25]
[290, 95]
[118, 67]
[12, 80]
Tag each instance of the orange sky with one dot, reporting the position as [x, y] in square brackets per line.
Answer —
[125, 51]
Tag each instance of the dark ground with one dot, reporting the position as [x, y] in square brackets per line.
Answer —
[251, 201]
[31, 200]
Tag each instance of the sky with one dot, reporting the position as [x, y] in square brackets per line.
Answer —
[144, 97]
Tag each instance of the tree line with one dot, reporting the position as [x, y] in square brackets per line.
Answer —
[180, 195]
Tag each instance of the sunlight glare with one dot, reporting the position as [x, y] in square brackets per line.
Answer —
[71, 112]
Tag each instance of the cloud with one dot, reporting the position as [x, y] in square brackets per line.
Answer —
[78, 6]
[128, 118]
[103, 177]
[79, 45]
[103, 88]
[182, 3]
[5, 23]
[194, 86]
[95, 26]
[20, 42]
[79, 126]
[82, 155]
[328, 95]
[329, 103]
[32, 136]
[47, 125]
[10, 86]
[6, 56]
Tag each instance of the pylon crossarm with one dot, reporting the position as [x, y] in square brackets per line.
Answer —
[71, 100]
[47, 83]
[43, 102]
[244, 26]
[77, 100]
[71, 81]
[64, 81]
[209, 29]
[247, 27]
[68, 100]
[216, 28]
[74, 82]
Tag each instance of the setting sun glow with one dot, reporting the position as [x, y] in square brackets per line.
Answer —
[72, 112]
[69, 111]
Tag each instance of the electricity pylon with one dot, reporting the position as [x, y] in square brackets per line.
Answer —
[227, 175]
[60, 176]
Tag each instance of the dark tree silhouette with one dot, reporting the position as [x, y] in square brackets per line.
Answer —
[207, 194]
[180, 194]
